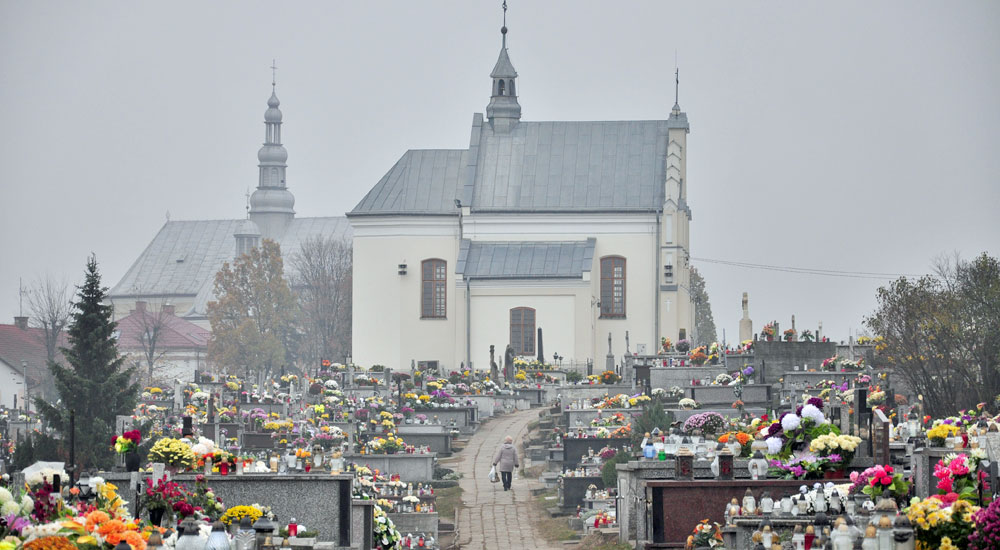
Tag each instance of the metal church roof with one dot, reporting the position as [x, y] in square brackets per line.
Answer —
[184, 256]
[535, 167]
[525, 259]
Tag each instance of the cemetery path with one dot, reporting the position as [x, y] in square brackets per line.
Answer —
[491, 517]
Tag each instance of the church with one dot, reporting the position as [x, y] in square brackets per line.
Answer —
[580, 229]
[177, 270]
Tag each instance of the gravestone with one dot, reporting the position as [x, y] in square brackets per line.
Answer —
[881, 429]
[178, 396]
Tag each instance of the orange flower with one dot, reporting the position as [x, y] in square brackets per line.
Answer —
[134, 539]
[96, 518]
[724, 438]
[742, 438]
[115, 526]
[50, 543]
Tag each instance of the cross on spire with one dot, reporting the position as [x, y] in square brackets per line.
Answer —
[248, 203]
[274, 72]
[677, 85]
[503, 29]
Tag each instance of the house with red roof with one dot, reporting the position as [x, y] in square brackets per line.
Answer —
[23, 355]
[153, 333]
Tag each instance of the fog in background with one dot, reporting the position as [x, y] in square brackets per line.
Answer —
[847, 136]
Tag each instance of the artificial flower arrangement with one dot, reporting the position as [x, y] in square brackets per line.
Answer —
[683, 345]
[172, 452]
[959, 475]
[987, 533]
[698, 356]
[665, 344]
[723, 379]
[768, 332]
[743, 438]
[789, 335]
[709, 423]
[942, 524]
[937, 434]
[616, 419]
[705, 535]
[797, 448]
[880, 481]
[687, 403]
[127, 442]
[44, 475]
[842, 364]
[610, 377]
[236, 513]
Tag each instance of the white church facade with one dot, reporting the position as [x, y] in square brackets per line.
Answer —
[578, 228]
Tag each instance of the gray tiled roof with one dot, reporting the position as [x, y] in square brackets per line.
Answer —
[184, 256]
[525, 259]
[572, 166]
[423, 181]
[535, 167]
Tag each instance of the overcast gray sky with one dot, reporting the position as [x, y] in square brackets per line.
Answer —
[852, 136]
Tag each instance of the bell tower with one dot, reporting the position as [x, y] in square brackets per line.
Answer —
[272, 204]
[503, 111]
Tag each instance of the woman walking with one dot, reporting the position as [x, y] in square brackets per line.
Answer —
[505, 460]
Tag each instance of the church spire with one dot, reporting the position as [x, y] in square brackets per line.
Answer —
[678, 118]
[503, 110]
[271, 205]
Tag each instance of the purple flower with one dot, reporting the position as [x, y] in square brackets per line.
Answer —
[798, 470]
[798, 410]
[815, 402]
[834, 457]
[748, 371]
[16, 523]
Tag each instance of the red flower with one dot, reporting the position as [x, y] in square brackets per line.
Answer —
[886, 480]
[134, 435]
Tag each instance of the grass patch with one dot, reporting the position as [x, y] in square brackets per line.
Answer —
[533, 472]
[552, 529]
[448, 499]
[597, 541]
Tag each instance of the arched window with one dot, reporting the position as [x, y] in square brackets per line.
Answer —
[433, 292]
[500, 87]
[522, 330]
[512, 88]
[613, 287]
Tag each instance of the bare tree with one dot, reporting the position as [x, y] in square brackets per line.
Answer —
[151, 321]
[48, 310]
[321, 280]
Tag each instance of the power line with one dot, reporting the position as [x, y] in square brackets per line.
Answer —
[808, 271]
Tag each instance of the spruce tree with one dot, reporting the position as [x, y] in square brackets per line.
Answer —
[95, 384]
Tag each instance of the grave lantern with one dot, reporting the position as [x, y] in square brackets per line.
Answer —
[189, 539]
[758, 466]
[725, 459]
[684, 464]
[264, 528]
[913, 423]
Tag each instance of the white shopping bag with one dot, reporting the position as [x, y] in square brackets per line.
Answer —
[493, 475]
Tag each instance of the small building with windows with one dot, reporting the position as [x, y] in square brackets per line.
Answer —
[577, 228]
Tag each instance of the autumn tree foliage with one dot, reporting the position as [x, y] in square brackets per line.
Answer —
[942, 333]
[253, 317]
